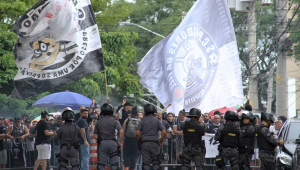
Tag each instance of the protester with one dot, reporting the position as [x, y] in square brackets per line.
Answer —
[131, 150]
[140, 115]
[206, 119]
[42, 141]
[77, 115]
[18, 133]
[215, 125]
[29, 145]
[24, 117]
[32, 138]
[125, 111]
[3, 155]
[275, 128]
[85, 139]
[178, 131]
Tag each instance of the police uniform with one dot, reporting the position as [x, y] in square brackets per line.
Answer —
[69, 135]
[266, 143]
[229, 137]
[192, 136]
[246, 147]
[105, 132]
[149, 128]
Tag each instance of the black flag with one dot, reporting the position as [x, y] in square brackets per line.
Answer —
[58, 43]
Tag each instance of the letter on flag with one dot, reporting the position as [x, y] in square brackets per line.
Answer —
[198, 64]
[58, 43]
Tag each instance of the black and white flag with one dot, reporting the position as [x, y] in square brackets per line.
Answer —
[198, 64]
[58, 43]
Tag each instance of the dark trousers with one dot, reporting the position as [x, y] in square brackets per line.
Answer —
[150, 153]
[245, 160]
[195, 155]
[65, 154]
[231, 155]
[267, 160]
[131, 153]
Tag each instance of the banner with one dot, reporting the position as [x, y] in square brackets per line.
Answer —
[198, 64]
[211, 145]
[58, 43]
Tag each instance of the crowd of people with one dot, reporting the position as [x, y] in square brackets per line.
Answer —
[26, 143]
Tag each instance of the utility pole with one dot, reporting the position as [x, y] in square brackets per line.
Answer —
[252, 94]
[270, 91]
[281, 96]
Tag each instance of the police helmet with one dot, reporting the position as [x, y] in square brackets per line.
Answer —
[194, 112]
[247, 114]
[149, 109]
[107, 109]
[68, 114]
[231, 115]
[268, 117]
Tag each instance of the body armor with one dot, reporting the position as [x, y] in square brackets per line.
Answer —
[17, 131]
[262, 142]
[192, 133]
[230, 136]
[248, 140]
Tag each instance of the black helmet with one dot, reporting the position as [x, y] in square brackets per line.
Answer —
[247, 114]
[231, 115]
[194, 112]
[149, 109]
[68, 114]
[268, 117]
[107, 109]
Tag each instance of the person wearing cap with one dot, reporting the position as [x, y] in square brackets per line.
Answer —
[29, 143]
[192, 136]
[85, 139]
[147, 135]
[125, 111]
[18, 133]
[105, 134]
[43, 131]
[69, 135]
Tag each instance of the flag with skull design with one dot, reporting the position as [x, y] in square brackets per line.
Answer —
[58, 43]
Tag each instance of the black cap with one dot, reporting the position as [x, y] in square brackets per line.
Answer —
[27, 121]
[17, 119]
[59, 117]
[127, 104]
[44, 113]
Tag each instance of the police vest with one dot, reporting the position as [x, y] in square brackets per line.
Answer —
[262, 142]
[249, 139]
[230, 136]
[192, 132]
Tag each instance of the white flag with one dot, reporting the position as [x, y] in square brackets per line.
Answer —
[198, 64]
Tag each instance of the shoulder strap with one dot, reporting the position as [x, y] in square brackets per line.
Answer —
[129, 119]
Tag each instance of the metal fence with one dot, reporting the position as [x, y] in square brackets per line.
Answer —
[171, 149]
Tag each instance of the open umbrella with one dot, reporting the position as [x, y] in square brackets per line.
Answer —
[222, 110]
[64, 99]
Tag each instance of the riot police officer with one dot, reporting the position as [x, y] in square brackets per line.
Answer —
[105, 134]
[229, 137]
[246, 147]
[150, 142]
[69, 135]
[267, 142]
[192, 135]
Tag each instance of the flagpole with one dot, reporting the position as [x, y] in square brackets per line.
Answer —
[106, 84]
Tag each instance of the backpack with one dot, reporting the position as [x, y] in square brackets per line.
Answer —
[132, 123]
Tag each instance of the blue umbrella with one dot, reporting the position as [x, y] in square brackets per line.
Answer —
[64, 99]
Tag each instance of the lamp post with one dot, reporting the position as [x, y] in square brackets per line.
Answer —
[129, 23]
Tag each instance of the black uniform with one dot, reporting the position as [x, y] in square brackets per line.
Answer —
[246, 147]
[69, 135]
[266, 144]
[193, 132]
[229, 136]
